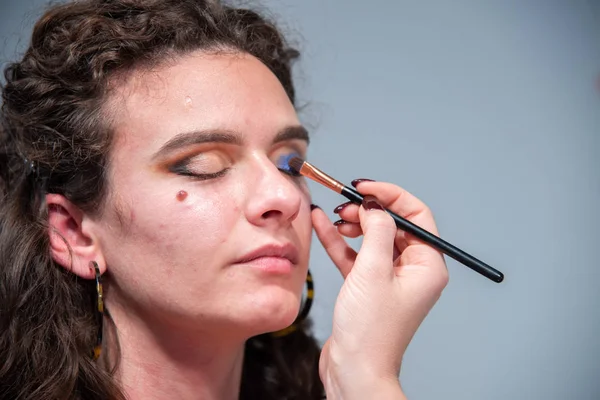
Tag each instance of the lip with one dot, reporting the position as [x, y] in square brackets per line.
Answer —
[271, 251]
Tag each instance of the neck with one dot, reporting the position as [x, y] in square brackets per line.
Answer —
[174, 363]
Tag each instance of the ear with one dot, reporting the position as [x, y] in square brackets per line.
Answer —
[72, 241]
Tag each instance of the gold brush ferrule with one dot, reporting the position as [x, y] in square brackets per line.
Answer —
[321, 177]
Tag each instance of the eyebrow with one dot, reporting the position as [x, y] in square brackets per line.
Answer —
[186, 139]
[290, 133]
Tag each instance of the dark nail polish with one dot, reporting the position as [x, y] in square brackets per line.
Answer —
[341, 207]
[371, 203]
[357, 181]
[313, 206]
[340, 222]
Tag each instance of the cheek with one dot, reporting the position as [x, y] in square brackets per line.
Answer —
[208, 215]
[173, 228]
[194, 219]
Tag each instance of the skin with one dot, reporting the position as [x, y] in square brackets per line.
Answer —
[168, 243]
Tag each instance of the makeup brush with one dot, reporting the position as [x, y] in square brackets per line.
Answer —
[299, 166]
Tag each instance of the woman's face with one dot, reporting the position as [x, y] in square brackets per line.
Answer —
[201, 229]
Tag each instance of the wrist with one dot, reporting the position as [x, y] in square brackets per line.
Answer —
[350, 375]
[351, 387]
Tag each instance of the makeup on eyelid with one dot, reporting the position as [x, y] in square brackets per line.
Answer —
[204, 165]
[200, 164]
[283, 164]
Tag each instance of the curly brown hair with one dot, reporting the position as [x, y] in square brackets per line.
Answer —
[55, 138]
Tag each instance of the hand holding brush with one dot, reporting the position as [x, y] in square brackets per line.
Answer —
[390, 285]
[296, 165]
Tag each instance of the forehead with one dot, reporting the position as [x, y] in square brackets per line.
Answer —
[230, 91]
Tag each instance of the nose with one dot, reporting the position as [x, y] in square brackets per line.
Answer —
[273, 197]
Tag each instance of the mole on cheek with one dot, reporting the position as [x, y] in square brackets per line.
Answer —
[181, 195]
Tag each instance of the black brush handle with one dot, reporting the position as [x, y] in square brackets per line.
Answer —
[439, 243]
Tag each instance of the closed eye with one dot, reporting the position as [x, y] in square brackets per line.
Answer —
[202, 166]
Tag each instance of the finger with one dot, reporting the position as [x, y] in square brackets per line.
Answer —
[433, 278]
[406, 205]
[401, 202]
[420, 254]
[342, 255]
[400, 241]
[349, 214]
[348, 211]
[348, 229]
[342, 206]
[375, 257]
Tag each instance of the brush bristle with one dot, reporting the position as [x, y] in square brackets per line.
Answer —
[296, 163]
[284, 165]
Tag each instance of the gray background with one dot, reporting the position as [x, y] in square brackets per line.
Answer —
[489, 111]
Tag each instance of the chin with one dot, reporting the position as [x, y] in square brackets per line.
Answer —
[269, 312]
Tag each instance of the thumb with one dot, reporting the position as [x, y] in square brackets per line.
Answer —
[376, 255]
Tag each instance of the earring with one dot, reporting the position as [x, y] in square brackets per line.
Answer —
[100, 310]
[310, 294]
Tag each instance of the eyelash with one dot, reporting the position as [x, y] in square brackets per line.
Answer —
[181, 169]
[289, 173]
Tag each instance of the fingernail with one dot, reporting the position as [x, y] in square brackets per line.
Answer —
[357, 181]
[371, 203]
[341, 207]
[340, 222]
[313, 206]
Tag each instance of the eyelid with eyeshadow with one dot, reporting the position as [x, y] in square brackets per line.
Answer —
[223, 161]
[185, 166]
[283, 166]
